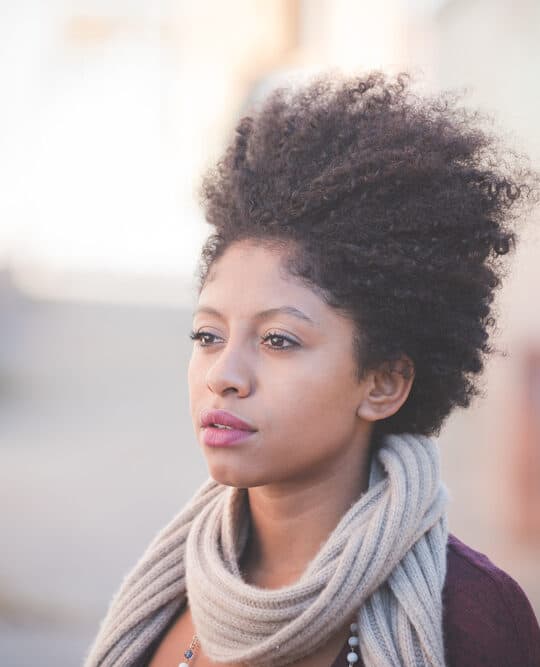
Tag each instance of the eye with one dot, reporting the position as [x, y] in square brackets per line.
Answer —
[279, 337]
[203, 336]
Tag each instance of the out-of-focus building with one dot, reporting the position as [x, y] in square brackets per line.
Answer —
[110, 111]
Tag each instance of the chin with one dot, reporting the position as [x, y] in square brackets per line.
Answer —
[231, 476]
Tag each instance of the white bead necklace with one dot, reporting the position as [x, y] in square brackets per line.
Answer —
[352, 656]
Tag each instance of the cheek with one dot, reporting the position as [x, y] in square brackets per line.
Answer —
[191, 375]
[195, 378]
[314, 416]
[196, 369]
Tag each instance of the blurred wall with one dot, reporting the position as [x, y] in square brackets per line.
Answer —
[494, 50]
[110, 111]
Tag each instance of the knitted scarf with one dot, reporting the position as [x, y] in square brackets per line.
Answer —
[384, 562]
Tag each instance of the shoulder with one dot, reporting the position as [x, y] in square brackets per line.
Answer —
[487, 618]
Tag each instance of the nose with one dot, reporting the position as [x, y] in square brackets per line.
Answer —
[230, 370]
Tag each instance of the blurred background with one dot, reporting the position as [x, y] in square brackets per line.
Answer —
[109, 112]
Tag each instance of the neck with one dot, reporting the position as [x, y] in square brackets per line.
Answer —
[290, 523]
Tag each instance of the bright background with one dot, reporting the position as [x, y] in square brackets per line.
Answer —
[109, 112]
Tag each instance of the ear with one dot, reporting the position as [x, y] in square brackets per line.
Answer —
[386, 389]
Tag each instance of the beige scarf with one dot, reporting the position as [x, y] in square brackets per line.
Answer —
[385, 562]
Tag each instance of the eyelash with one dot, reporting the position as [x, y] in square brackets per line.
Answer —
[199, 335]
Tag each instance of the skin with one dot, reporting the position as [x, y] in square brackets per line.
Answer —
[309, 460]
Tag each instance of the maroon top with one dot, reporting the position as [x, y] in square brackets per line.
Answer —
[487, 619]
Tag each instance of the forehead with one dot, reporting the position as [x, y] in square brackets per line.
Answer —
[250, 258]
[254, 276]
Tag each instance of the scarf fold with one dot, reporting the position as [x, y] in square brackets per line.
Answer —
[385, 563]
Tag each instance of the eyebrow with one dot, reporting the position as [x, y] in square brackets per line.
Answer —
[263, 314]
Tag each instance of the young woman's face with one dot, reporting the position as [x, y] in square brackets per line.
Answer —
[291, 378]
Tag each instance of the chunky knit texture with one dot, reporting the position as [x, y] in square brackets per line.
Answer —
[385, 561]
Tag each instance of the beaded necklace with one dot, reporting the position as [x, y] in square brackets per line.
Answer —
[352, 656]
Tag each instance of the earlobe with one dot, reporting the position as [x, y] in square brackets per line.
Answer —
[386, 389]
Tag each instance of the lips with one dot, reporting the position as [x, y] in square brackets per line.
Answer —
[210, 417]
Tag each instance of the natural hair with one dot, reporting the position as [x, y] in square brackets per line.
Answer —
[396, 208]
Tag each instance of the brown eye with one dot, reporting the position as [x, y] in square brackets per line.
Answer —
[202, 337]
[280, 338]
[276, 339]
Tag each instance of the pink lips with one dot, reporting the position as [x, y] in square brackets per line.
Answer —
[224, 437]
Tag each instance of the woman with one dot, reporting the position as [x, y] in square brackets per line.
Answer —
[343, 310]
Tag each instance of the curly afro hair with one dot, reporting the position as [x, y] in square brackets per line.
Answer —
[396, 208]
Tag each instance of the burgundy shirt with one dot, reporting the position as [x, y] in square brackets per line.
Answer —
[487, 619]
